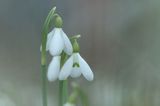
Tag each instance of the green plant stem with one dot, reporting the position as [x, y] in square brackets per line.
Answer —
[63, 85]
[63, 92]
[60, 93]
[44, 87]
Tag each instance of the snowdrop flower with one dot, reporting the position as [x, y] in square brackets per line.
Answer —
[57, 41]
[75, 66]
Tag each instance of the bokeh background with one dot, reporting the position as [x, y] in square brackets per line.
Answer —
[120, 40]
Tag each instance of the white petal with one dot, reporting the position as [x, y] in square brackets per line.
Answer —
[66, 69]
[49, 38]
[54, 68]
[67, 44]
[75, 72]
[57, 44]
[85, 69]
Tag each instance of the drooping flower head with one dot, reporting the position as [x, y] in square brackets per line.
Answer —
[75, 66]
[57, 41]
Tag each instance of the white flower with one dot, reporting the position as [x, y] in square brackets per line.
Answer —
[57, 41]
[74, 66]
[54, 68]
[69, 104]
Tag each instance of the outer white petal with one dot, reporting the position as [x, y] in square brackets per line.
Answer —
[56, 44]
[66, 69]
[54, 68]
[67, 44]
[49, 38]
[85, 69]
[75, 72]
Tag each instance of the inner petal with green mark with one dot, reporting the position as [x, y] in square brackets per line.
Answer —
[75, 65]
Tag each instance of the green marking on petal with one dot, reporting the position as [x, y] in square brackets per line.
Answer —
[75, 65]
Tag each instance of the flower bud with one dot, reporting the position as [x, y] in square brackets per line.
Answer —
[58, 22]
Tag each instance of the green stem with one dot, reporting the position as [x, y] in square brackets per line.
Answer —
[60, 93]
[44, 87]
[63, 85]
[63, 92]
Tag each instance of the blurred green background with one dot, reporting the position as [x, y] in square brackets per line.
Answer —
[120, 40]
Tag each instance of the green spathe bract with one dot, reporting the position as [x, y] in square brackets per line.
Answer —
[75, 46]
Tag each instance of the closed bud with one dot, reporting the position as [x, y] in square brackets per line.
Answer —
[58, 22]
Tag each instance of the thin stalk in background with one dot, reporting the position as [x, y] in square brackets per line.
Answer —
[78, 92]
